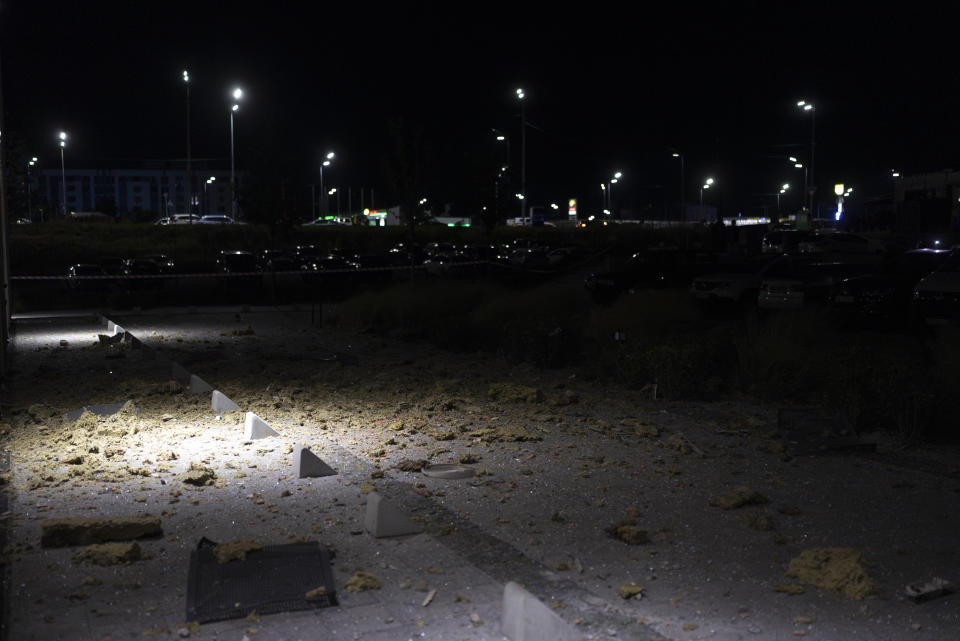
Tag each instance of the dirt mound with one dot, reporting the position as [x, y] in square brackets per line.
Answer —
[838, 569]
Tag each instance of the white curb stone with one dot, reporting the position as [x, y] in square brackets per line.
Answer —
[255, 427]
[309, 465]
[198, 385]
[220, 402]
[383, 519]
[525, 618]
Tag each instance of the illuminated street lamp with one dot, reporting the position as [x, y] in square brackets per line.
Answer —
[523, 154]
[810, 186]
[237, 95]
[63, 174]
[206, 200]
[706, 185]
[186, 82]
[783, 189]
[33, 161]
[327, 159]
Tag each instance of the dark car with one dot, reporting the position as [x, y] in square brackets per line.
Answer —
[783, 241]
[166, 264]
[277, 260]
[237, 262]
[653, 268]
[887, 293]
[85, 277]
[141, 273]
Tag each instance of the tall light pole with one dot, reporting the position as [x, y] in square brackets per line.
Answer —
[63, 174]
[683, 207]
[783, 189]
[323, 195]
[523, 156]
[706, 185]
[206, 199]
[237, 94]
[811, 185]
[613, 181]
[33, 161]
[501, 137]
[186, 82]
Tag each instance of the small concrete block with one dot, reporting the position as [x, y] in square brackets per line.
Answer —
[255, 427]
[384, 519]
[220, 402]
[525, 618]
[178, 372]
[198, 385]
[309, 465]
[111, 327]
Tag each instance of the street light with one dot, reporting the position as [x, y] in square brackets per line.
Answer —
[186, 82]
[683, 208]
[783, 190]
[501, 137]
[63, 174]
[327, 159]
[206, 200]
[523, 154]
[237, 95]
[706, 185]
[810, 186]
[33, 161]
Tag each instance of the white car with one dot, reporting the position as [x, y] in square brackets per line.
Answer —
[734, 282]
[840, 242]
[936, 298]
[217, 219]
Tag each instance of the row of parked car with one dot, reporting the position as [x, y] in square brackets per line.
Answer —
[193, 219]
[436, 257]
[921, 284]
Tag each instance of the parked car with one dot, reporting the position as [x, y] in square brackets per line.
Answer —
[85, 277]
[887, 293]
[840, 242]
[112, 265]
[736, 281]
[179, 219]
[277, 260]
[237, 262]
[783, 241]
[217, 219]
[166, 264]
[936, 297]
[793, 283]
[653, 268]
[141, 273]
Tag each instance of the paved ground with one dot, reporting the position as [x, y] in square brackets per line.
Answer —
[588, 457]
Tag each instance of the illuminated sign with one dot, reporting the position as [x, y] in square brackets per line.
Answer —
[572, 207]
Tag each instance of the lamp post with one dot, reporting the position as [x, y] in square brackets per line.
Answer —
[683, 207]
[63, 175]
[186, 82]
[613, 181]
[810, 186]
[323, 195]
[501, 137]
[33, 161]
[523, 155]
[706, 185]
[237, 95]
[206, 199]
[783, 190]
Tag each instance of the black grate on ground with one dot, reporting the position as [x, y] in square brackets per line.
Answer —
[274, 579]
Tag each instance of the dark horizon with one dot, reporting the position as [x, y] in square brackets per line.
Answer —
[604, 93]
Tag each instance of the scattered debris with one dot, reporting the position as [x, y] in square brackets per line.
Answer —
[109, 553]
[87, 530]
[789, 588]
[628, 532]
[935, 587]
[198, 474]
[411, 465]
[432, 593]
[513, 393]
[235, 550]
[631, 592]
[837, 569]
[738, 497]
[757, 520]
[505, 434]
[362, 581]
[316, 593]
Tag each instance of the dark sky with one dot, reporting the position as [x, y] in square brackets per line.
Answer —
[610, 86]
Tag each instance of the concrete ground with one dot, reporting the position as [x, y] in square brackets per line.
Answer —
[555, 471]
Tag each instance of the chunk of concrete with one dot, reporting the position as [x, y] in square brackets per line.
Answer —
[198, 385]
[309, 465]
[86, 530]
[220, 402]
[178, 372]
[526, 618]
[255, 427]
[384, 519]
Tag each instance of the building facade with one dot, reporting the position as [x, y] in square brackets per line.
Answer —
[151, 187]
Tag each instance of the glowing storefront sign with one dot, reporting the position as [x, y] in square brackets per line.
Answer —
[572, 207]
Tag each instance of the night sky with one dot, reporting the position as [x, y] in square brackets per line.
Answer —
[607, 91]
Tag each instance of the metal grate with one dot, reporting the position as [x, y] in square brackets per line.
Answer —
[274, 579]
